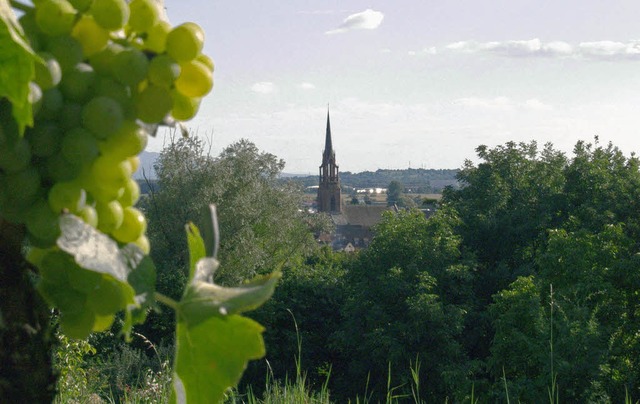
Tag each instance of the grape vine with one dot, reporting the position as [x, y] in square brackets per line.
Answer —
[82, 85]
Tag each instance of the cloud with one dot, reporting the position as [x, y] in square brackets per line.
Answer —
[306, 86]
[425, 51]
[502, 104]
[367, 19]
[611, 49]
[385, 50]
[263, 87]
[602, 50]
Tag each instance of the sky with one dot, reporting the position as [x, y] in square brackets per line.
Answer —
[416, 83]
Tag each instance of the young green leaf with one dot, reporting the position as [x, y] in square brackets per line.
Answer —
[213, 342]
[16, 66]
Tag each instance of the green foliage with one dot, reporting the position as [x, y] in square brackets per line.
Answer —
[17, 60]
[213, 342]
[406, 297]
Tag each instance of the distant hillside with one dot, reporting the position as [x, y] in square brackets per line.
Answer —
[147, 160]
[418, 180]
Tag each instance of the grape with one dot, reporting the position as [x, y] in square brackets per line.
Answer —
[66, 196]
[184, 108]
[51, 104]
[60, 169]
[110, 14]
[143, 15]
[77, 82]
[66, 50]
[129, 140]
[31, 30]
[157, 37]
[134, 161]
[23, 186]
[101, 61]
[79, 146]
[55, 17]
[81, 5]
[195, 79]
[103, 323]
[91, 36]
[44, 139]
[102, 116]
[153, 104]
[70, 116]
[163, 71]
[109, 171]
[42, 223]
[133, 226]
[185, 41]
[15, 155]
[48, 73]
[89, 215]
[130, 67]
[131, 193]
[108, 87]
[35, 97]
[110, 216]
[143, 244]
[107, 297]
[205, 60]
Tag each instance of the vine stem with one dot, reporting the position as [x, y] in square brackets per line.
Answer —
[166, 300]
[20, 6]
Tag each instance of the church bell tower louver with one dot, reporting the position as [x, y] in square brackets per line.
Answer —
[329, 199]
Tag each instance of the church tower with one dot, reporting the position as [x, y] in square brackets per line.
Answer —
[329, 188]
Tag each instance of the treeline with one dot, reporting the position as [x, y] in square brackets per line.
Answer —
[415, 180]
[525, 283]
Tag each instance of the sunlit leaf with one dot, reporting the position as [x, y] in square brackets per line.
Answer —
[16, 66]
[211, 356]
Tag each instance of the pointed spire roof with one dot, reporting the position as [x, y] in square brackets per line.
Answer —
[328, 146]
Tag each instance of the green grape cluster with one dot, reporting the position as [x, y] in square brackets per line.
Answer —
[108, 70]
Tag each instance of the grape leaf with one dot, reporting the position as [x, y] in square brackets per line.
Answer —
[95, 251]
[211, 356]
[16, 66]
[214, 343]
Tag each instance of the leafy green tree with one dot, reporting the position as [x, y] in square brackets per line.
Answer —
[260, 224]
[408, 294]
[302, 314]
[394, 192]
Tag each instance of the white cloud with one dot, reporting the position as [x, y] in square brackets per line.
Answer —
[263, 87]
[502, 104]
[536, 104]
[368, 19]
[497, 103]
[385, 50]
[425, 51]
[602, 50]
[611, 50]
[306, 86]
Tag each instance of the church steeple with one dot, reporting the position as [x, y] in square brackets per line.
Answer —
[328, 146]
[329, 198]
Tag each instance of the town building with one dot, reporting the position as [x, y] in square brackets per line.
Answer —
[353, 223]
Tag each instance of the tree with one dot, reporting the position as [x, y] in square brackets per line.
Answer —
[261, 226]
[394, 192]
[408, 294]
